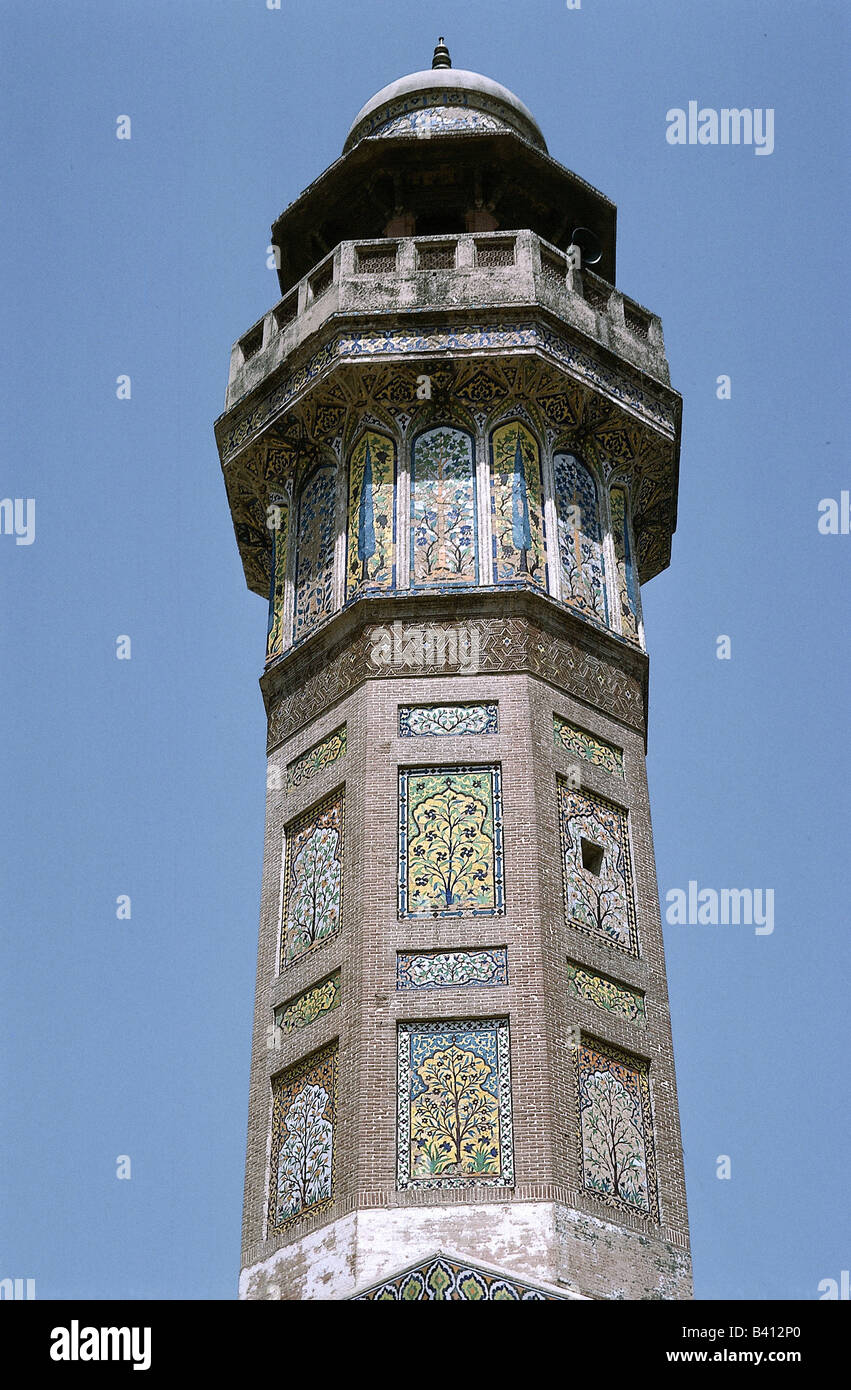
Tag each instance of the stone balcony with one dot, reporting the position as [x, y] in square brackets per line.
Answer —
[419, 275]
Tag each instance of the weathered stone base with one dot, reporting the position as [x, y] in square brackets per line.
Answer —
[544, 1242]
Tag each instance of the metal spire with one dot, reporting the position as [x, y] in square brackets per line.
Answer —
[441, 57]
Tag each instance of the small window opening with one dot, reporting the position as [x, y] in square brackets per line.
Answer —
[592, 856]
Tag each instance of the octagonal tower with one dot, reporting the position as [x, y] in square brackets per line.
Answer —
[450, 452]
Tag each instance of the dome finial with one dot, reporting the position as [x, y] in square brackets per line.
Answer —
[441, 57]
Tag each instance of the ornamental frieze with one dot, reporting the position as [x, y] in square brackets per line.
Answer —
[466, 646]
[393, 342]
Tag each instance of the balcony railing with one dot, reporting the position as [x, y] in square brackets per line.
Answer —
[482, 270]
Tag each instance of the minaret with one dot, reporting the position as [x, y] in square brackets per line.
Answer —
[451, 452]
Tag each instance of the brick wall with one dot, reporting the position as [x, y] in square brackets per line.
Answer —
[581, 1241]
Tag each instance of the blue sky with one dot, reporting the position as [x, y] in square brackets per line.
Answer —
[146, 776]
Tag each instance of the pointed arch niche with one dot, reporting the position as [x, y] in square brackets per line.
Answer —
[444, 548]
[582, 569]
[279, 513]
[371, 521]
[314, 567]
[516, 505]
[629, 601]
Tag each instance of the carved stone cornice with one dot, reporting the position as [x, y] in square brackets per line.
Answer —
[630, 430]
[459, 634]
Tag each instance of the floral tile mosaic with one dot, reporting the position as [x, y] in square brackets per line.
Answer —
[580, 538]
[516, 506]
[627, 586]
[307, 764]
[444, 545]
[598, 889]
[450, 842]
[304, 1106]
[370, 561]
[454, 1125]
[275, 640]
[449, 969]
[314, 580]
[440, 721]
[588, 746]
[319, 999]
[616, 1122]
[606, 994]
[313, 878]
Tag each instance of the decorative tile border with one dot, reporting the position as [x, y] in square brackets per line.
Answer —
[504, 644]
[605, 993]
[449, 969]
[588, 746]
[454, 1116]
[439, 102]
[373, 342]
[305, 1007]
[322, 754]
[440, 721]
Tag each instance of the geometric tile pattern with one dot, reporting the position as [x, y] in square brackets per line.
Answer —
[504, 644]
[616, 1122]
[304, 1105]
[454, 1119]
[450, 842]
[452, 1280]
[319, 999]
[606, 994]
[588, 746]
[313, 878]
[441, 720]
[597, 871]
[307, 764]
[447, 969]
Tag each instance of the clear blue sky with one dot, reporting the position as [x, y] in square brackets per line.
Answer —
[146, 776]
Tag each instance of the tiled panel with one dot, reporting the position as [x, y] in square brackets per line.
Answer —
[450, 842]
[455, 1104]
[442, 969]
